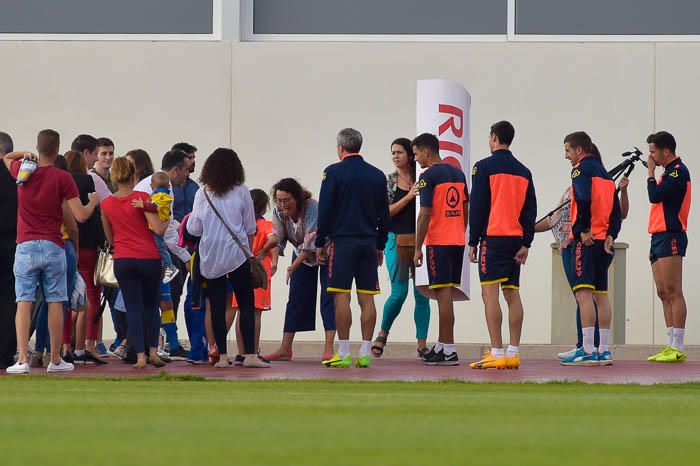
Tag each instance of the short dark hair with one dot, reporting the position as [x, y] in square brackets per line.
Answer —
[261, 201]
[293, 187]
[596, 154]
[142, 162]
[184, 147]
[580, 139]
[6, 144]
[663, 140]
[222, 171]
[172, 159]
[406, 144]
[104, 142]
[504, 131]
[61, 163]
[427, 141]
[84, 142]
[48, 142]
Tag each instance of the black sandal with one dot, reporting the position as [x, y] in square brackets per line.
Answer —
[378, 351]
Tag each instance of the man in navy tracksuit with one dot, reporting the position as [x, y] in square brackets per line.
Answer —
[353, 211]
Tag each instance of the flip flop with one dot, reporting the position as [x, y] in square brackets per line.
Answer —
[275, 357]
[378, 351]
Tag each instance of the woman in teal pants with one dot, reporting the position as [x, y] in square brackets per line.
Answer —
[402, 191]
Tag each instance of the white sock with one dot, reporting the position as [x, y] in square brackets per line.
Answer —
[448, 348]
[678, 337]
[512, 351]
[497, 352]
[604, 340]
[588, 333]
[79, 352]
[343, 348]
[438, 347]
[364, 349]
[669, 334]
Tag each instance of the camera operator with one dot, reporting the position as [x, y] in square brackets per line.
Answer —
[668, 221]
[559, 222]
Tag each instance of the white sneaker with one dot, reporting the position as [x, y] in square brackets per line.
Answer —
[18, 368]
[169, 273]
[252, 360]
[62, 366]
[566, 354]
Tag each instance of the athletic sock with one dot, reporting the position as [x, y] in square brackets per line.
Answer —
[171, 335]
[365, 348]
[678, 337]
[497, 353]
[588, 337]
[439, 347]
[604, 340]
[512, 351]
[343, 348]
[669, 334]
[79, 352]
[448, 348]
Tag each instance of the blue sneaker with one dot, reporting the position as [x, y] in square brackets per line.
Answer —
[101, 350]
[581, 358]
[605, 358]
[115, 345]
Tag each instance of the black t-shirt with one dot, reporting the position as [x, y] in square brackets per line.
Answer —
[404, 221]
[8, 204]
[91, 232]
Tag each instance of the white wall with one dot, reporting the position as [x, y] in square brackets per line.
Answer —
[280, 105]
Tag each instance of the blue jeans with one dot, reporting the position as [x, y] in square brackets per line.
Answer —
[566, 262]
[40, 262]
[42, 322]
[399, 292]
[163, 250]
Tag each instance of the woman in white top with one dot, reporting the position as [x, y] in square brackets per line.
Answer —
[221, 259]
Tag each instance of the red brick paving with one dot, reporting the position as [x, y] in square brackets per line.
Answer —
[412, 370]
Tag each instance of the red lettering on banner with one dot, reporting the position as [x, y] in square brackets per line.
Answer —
[451, 146]
[444, 108]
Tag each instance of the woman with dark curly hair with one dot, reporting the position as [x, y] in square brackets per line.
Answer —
[294, 219]
[222, 178]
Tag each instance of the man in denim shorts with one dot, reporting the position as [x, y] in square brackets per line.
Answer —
[40, 257]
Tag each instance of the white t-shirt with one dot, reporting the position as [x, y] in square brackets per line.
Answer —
[100, 186]
[218, 252]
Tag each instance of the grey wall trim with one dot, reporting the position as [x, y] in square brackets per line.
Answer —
[404, 17]
[106, 16]
[607, 17]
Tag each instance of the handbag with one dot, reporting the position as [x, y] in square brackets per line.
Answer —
[104, 270]
[258, 273]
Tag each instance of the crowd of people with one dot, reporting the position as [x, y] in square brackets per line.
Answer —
[166, 237]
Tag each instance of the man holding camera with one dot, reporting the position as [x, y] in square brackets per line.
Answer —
[668, 221]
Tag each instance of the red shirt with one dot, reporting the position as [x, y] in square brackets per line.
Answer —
[132, 237]
[39, 199]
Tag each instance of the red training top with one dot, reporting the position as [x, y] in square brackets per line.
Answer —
[132, 237]
[39, 199]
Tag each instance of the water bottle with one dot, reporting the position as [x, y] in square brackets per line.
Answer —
[25, 170]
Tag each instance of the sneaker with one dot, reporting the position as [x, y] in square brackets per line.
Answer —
[18, 368]
[672, 356]
[262, 358]
[337, 361]
[119, 352]
[102, 350]
[422, 352]
[566, 354]
[605, 358]
[655, 357]
[252, 360]
[62, 366]
[196, 362]
[117, 342]
[223, 363]
[92, 358]
[429, 353]
[164, 356]
[363, 361]
[37, 360]
[581, 358]
[488, 361]
[180, 354]
[514, 362]
[169, 273]
[238, 360]
[439, 359]
[79, 359]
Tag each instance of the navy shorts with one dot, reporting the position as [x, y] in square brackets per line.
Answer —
[444, 266]
[497, 261]
[589, 266]
[668, 244]
[350, 260]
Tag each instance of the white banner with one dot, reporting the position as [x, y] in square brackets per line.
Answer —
[442, 108]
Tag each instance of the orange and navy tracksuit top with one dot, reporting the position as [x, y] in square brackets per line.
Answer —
[503, 201]
[594, 202]
[670, 199]
[443, 188]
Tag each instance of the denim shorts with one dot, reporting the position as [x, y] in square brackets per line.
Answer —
[40, 263]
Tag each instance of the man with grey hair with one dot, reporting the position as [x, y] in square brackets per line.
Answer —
[8, 238]
[353, 212]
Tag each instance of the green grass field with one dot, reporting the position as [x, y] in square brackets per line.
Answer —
[164, 421]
